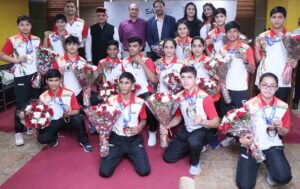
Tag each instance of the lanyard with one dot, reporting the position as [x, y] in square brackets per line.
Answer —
[268, 120]
[191, 100]
[126, 119]
[29, 47]
[60, 103]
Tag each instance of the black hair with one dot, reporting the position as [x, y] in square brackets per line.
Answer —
[220, 11]
[170, 39]
[188, 69]
[128, 76]
[181, 22]
[135, 39]
[185, 10]
[112, 42]
[52, 73]
[278, 9]
[268, 74]
[60, 17]
[231, 25]
[72, 39]
[158, 1]
[23, 18]
[213, 10]
[71, 1]
[200, 39]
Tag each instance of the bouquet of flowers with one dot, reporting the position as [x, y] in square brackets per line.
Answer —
[45, 59]
[108, 89]
[163, 106]
[104, 118]
[238, 123]
[292, 44]
[87, 75]
[172, 81]
[36, 115]
[157, 48]
[208, 85]
[218, 68]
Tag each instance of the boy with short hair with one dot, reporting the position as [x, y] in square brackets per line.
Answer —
[271, 52]
[66, 110]
[144, 71]
[127, 143]
[55, 40]
[199, 114]
[111, 65]
[20, 50]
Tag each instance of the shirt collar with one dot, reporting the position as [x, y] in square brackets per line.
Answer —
[58, 94]
[200, 60]
[219, 30]
[24, 38]
[173, 61]
[117, 60]
[120, 100]
[67, 58]
[237, 46]
[156, 18]
[57, 33]
[273, 33]
[137, 20]
[180, 41]
[130, 59]
[263, 103]
[185, 93]
[75, 19]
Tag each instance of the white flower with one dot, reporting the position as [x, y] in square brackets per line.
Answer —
[165, 99]
[42, 121]
[47, 115]
[40, 106]
[102, 92]
[231, 116]
[37, 115]
[34, 121]
[28, 108]
[108, 92]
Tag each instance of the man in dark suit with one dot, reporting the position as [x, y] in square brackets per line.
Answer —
[160, 27]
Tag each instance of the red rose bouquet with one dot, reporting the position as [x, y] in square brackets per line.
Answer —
[218, 68]
[292, 44]
[87, 75]
[163, 106]
[104, 118]
[36, 115]
[108, 89]
[238, 123]
[208, 85]
[45, 60]
[172, 81]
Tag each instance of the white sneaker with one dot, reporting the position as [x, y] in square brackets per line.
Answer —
[271, 181]
[152, 139]
[19, 139]
[203, 149]
[228, 141]
[29, 131]
[195, 169]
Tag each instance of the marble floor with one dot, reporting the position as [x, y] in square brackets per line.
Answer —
[218, 166]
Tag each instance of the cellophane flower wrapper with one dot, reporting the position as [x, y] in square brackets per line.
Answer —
[45, 60]
[163, 106]
[238, 122]
[158, 49]
[173, 83]
[208, 85]
[218, 68]
[36, 115]
[86, 75]
[292, 44]
[103, 118]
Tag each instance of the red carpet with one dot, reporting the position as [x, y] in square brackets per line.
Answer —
[68, 166]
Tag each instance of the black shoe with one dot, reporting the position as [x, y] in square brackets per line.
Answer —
[86, 147]
[295, 106]
[53, 144]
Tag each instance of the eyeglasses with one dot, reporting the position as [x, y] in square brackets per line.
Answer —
[266, 86]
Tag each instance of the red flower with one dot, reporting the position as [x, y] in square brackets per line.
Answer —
[241, 114]
[236, 118]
